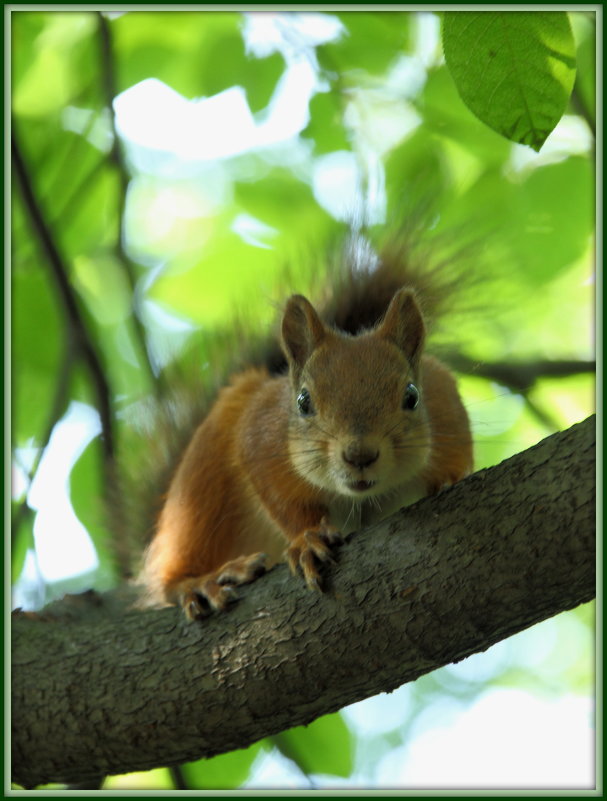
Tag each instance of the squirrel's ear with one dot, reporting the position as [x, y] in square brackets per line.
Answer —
[302, 330]
[403, 324]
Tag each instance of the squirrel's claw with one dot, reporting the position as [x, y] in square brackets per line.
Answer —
[242, 570]
[309, 548]
[202, 595]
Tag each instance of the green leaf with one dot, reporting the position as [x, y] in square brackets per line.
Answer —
[227, 271]
[549, 234]
[106, 302]
[543, 222]
[223, 772]
[37, 350]
[514, 69]
[284, 202]
[94, 223]
[146, 44]
[445, 114]
[259, 79]
[372, 41]
[416, 169]
[225, 63]
[326, 127]
[103, 286]
[325, 747]
[86, 495]
[54, 60]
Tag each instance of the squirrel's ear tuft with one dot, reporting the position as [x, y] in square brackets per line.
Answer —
[302, 330]
[403, 324]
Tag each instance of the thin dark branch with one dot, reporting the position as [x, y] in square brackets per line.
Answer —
[544, 417]
[115, 156]
[60, 273]
[520, 376]
[178, 778]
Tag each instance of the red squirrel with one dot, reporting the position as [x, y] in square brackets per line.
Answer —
[362, 423]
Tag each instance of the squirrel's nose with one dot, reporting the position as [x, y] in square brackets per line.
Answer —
[359, 456]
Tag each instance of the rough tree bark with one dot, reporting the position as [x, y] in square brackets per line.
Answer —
[447, 577]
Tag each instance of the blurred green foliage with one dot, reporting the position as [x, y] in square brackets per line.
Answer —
[154, 245]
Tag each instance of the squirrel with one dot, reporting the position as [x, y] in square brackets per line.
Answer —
[287, 461]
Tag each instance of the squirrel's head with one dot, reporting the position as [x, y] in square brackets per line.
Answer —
[358, 423]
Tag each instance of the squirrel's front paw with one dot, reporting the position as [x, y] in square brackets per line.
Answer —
[311, 546]
[201, 595]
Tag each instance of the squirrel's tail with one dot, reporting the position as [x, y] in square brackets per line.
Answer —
[356, 279]
[367, 277]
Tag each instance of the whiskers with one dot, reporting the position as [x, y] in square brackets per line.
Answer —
[311, 453]
[376, 501]
[353, 515]
[407, 436]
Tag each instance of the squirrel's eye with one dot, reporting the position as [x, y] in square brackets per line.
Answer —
[304, 403]
[411, 397]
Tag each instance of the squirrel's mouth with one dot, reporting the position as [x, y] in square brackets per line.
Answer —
[361, 486]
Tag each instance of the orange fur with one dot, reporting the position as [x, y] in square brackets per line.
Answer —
[260, 474]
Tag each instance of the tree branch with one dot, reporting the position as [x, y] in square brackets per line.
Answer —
[79, 331]
[74, 314]
[436, 582]
[519, 376]
[115, 157]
